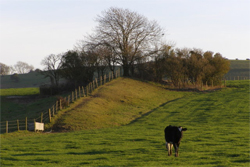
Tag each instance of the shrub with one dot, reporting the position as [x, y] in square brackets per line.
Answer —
[15, 78]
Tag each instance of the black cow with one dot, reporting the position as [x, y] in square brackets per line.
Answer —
[173, 135]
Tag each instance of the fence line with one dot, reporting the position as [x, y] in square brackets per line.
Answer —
[47, 116]
[237, 78]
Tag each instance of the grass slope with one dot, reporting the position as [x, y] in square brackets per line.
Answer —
[117, 103]
[217, 135]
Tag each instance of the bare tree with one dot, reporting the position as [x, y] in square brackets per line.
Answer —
[22, 67]
[127, 34]
[52, 65]
[4, 69]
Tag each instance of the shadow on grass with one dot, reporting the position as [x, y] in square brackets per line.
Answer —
[146, 114]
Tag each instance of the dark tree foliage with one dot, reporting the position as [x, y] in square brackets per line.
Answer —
[186, 65]
[52, 65]
[78, 68]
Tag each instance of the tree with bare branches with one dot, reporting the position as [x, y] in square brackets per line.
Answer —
[128, 34]
[22, 67]
[4, 69]
[52, 67]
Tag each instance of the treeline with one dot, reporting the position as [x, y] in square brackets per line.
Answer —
[129, 40]
[183, 66]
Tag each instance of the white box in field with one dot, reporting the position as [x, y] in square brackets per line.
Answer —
[39, 126]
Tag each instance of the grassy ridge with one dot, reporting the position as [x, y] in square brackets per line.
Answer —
[217, 135]
[117, 103]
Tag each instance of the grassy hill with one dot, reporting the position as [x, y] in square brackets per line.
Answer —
[117, 103]
[217, 135]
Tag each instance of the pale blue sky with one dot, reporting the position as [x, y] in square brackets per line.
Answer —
[30, 30]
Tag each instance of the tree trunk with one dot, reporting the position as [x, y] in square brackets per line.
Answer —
[125, 70]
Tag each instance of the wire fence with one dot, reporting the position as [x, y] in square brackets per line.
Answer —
[237, 78]
[46, 116]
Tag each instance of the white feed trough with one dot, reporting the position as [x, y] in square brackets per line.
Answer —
[38, 126]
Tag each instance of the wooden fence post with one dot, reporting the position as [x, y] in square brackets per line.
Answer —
[100, 80]
[56, 106]
[42, 117]
[34, 125]
[76, 93]
[83, 93]
[6, 126]
[60, 103]
[79, 88]
[17, 123]
[49, 115]
[87, 91]
[26, 124]
[90, 88]
[72, 100]
[53, 110]
[68, 99]
[96, 83]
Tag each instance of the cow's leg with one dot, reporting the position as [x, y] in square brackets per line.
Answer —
[176, 147]
[171, 148]
[168, 146]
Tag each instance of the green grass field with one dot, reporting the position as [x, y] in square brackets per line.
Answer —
[217, 135]
[18, 103]
[33, 79]
[19, 91]
[238, 68]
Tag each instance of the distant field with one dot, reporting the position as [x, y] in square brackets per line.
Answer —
[238, 68]
[18, 103]
[217, 135]
[33, 79]
[19, 91]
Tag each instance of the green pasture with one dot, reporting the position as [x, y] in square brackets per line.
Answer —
[19, 91]
[217, 135]
[32, 79]
[238, 68]
[19, 103]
